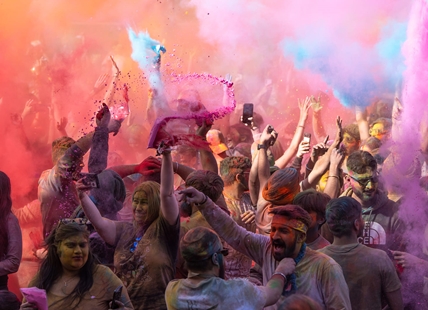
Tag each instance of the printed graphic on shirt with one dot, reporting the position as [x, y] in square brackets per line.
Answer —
[373, 234]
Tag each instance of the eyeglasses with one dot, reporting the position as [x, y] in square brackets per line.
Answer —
[363, 182]
[135, 244]
[224, 251]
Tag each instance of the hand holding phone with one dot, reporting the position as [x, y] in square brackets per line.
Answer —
[116, 296]
[307, 137]
[247, 114]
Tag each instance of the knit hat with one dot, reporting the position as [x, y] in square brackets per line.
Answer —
[200, 243]
[282, 186]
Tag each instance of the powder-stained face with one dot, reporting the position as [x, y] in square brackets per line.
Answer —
[364, 185]
[350, 143]
[283, 238]
[140, 207]
[378, 131]
[73, 252]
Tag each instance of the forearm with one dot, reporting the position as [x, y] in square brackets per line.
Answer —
[263, 166]
[332, 187]
[105, 227]
[273, 289]
[395, 300]
[236, 236]
[363, 125]
[99, 151]
[318, 127]
[253, 181]
[168, 202]
[291, 151]
[208, 161]
[124, 170]
[85, 142]
[297, 163]
[182, 170]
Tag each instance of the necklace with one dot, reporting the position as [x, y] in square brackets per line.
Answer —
[66, 282]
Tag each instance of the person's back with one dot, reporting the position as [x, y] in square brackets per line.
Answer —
[368, 272]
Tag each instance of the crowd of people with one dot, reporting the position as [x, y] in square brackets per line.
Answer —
[252, 217]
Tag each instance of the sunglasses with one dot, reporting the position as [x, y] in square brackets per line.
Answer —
[364, 182]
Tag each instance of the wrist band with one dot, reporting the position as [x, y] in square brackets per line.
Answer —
[301, 126]
[203, 201]
[261, 146]
[281, 274]
[333, 176]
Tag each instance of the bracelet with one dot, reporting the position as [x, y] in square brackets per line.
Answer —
[281, 274]
[261, 146]
[204, 201]
[301, 126]
[333, 176]
[307, 168]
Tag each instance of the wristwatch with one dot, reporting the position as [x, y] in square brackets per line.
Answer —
[261, 146]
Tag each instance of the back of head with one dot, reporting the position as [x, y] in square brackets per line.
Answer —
[242, 150]
[341, 214]
[359, 161]
[207, 182]
[197, 246]
[293, 212]
[299, 302]
[231, 166]
[312, 201]
[216, 141]
[59, 146]
[8, 301]
[109, 197]
[282, 186]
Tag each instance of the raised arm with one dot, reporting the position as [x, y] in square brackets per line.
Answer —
[105, 227]
[168, 202]
[208, 160]
[267, 139]
[332, 187]
[298, 135]
[317, 125]
[239, 238]
[363, 124]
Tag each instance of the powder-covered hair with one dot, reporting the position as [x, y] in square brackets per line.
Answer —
[231, 166]
[312, 201]
[359, 161]
[207, 182]
[341, 214]
[353, 131]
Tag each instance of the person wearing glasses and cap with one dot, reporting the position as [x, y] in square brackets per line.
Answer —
[205, 287]
[383, 228]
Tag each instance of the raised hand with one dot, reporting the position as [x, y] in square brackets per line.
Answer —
[304, 108]
[269, 136]
[339, 135]
[101, 82]
[62, 124]
[316, 103]
[103, 116]
[303, 149]
[192, 195]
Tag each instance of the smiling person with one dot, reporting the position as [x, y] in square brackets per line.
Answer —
[146, 249]
[317, 275]
[69, 274]
[383, 228]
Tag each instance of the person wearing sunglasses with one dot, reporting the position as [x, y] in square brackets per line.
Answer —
[145, 249]
[383, 228]
[205, 287]
[70, 275]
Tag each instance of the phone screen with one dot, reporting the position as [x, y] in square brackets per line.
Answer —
[307, 137]
[247, 113]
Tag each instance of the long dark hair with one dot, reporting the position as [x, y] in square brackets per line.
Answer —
[51, 267]
[5, 209]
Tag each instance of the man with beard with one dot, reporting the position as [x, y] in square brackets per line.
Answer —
[369, 273]
[382, 228]
[57, 192]
[205, 287]
[317, 275]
